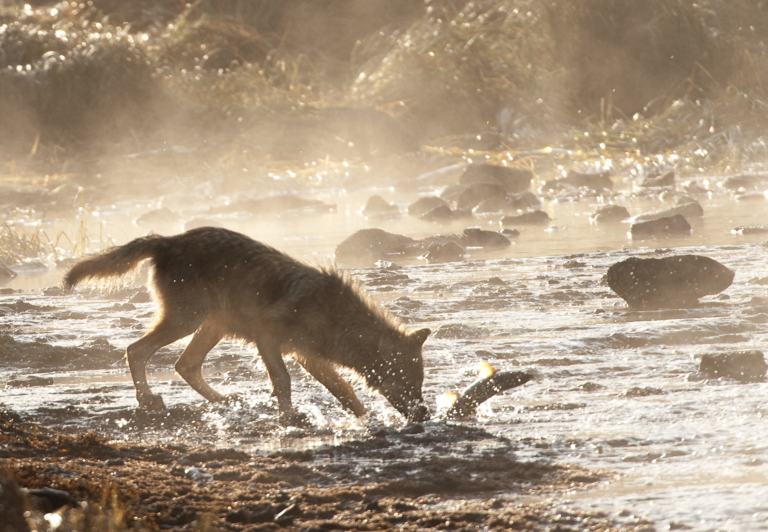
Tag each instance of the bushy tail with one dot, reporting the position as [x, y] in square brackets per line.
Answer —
[114, 262]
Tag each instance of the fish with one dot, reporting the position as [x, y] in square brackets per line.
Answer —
[489, 383]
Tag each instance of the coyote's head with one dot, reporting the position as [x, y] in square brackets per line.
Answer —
[397, 372]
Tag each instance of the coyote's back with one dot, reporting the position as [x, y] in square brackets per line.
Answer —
[216, 283]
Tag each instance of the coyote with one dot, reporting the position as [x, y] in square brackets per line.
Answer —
[217, 283]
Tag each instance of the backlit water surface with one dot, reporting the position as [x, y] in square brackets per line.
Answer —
[616, 390]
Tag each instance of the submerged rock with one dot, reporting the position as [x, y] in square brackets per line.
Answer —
[445, 252]
[750, 230]
[669, 282]
[482, 238]
[378, 206]
[527, 218]
[523, 200]
[444, 214]
[610, 213]
[690, 209]
[513, 180]
[667, 227]
[477, 193]
[744, 366]
[575, 179]
[161, 216]
[366, 246]
[426, 204]
[667, 179]
[745, 181]
[275, 205]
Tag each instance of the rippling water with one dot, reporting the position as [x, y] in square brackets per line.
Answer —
[616, 389]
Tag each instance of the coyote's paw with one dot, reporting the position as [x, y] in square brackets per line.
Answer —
[295, 419]
[232, 398]
[151, 402]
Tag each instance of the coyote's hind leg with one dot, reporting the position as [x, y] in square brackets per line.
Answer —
[190, 363]
[139, 353]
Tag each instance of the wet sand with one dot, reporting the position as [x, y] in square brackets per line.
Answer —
[433, 476]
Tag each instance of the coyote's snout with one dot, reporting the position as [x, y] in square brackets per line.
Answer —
[215, 283]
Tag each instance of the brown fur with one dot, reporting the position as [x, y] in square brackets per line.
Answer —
[217, 283]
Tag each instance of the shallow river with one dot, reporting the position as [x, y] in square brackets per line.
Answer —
[616, 390]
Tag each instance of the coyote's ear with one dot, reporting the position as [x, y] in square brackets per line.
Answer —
[420, 336]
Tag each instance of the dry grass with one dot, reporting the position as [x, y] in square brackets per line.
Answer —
[110, 76]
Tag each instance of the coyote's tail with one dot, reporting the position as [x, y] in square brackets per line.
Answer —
[114, 262]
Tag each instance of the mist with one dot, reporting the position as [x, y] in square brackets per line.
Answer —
[477, 166]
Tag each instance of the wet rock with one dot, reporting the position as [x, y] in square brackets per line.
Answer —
[744, 366]
[245, 516]
[444, 214]
[451, 193]
[692, 209]
[575, 179]
[366, 246]
[527, 218]
[511, 203]
[671, 226]
[669, 282]
[590, 387]
[43, 356]
[65, 263]
[425, 204]
[496, 204]
[30, 267]
[646, 391]
[745, 182]
[275, 205]
[609, 214]
[440, 214]
[750, 230]
[522, 201]
[595, 181]
[471, 237]
[53, 291]
[667, 179]
[476, 193]
[446, 252]
[49, 500]
[378, 206]
[29, 382]
[510, 233]
[161, 216]
[198, 475]
[513, 180]
[458, 330]
[750, 197]
[482, 238]
[142, 296]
